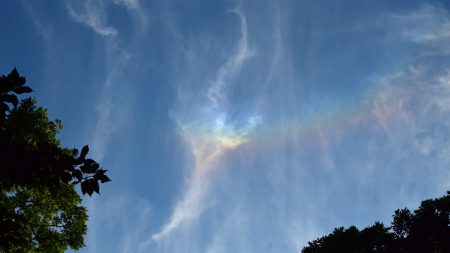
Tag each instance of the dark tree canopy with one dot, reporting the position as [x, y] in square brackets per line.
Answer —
[40, 209]
[426, 230]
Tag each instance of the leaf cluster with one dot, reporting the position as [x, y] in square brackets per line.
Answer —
[88, 173]
[9, 86]
[40, 209]
[36, 219]
[31, 152]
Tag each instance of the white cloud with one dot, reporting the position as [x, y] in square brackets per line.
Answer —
[429, 25]
[43, 28]
[111, 114]
[414, 107]
[130, 4]
[417, 95]
[137, 10]
[92, 15]
[129, 216]
[188, 208]
[210, 136]
[232, 66]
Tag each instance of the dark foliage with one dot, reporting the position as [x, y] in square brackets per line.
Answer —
[39, 207]
[426, 230]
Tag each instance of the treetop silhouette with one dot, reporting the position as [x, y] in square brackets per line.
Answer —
[426, 230]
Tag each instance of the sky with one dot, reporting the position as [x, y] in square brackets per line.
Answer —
[241, 126]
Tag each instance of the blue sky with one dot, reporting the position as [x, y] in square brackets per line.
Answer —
[241, 126]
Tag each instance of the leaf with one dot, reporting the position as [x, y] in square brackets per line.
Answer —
[89, 168]
[13, 75]
[66, 177]
[84, 186]
[77, 162]
[84, 152]
[90, 186]
[100, 175]
[77, 174]
[102, 171]
[11, 99]
[3, 84]
[96, 187]
[23, 89]
[15, 79]
[105, 179]
[4, 107]
[89, 161]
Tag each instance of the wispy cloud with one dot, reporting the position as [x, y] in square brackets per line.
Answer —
[416, 116]
[111, 115]
[210, 134]
[130, 4]
[128, 215]
[411, 104]
[429, 25]
[43, 28]
[91, 14]
[138, 10]
[232, 66]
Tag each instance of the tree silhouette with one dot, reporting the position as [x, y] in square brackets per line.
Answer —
[426, 230]
[40, 209]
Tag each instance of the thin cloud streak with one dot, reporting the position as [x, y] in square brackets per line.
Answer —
[112, 116]
[137, 10]
[233, 65]
[429, 26]
[44, 29]
[210, 136]
[130, 4]
[92, 16]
